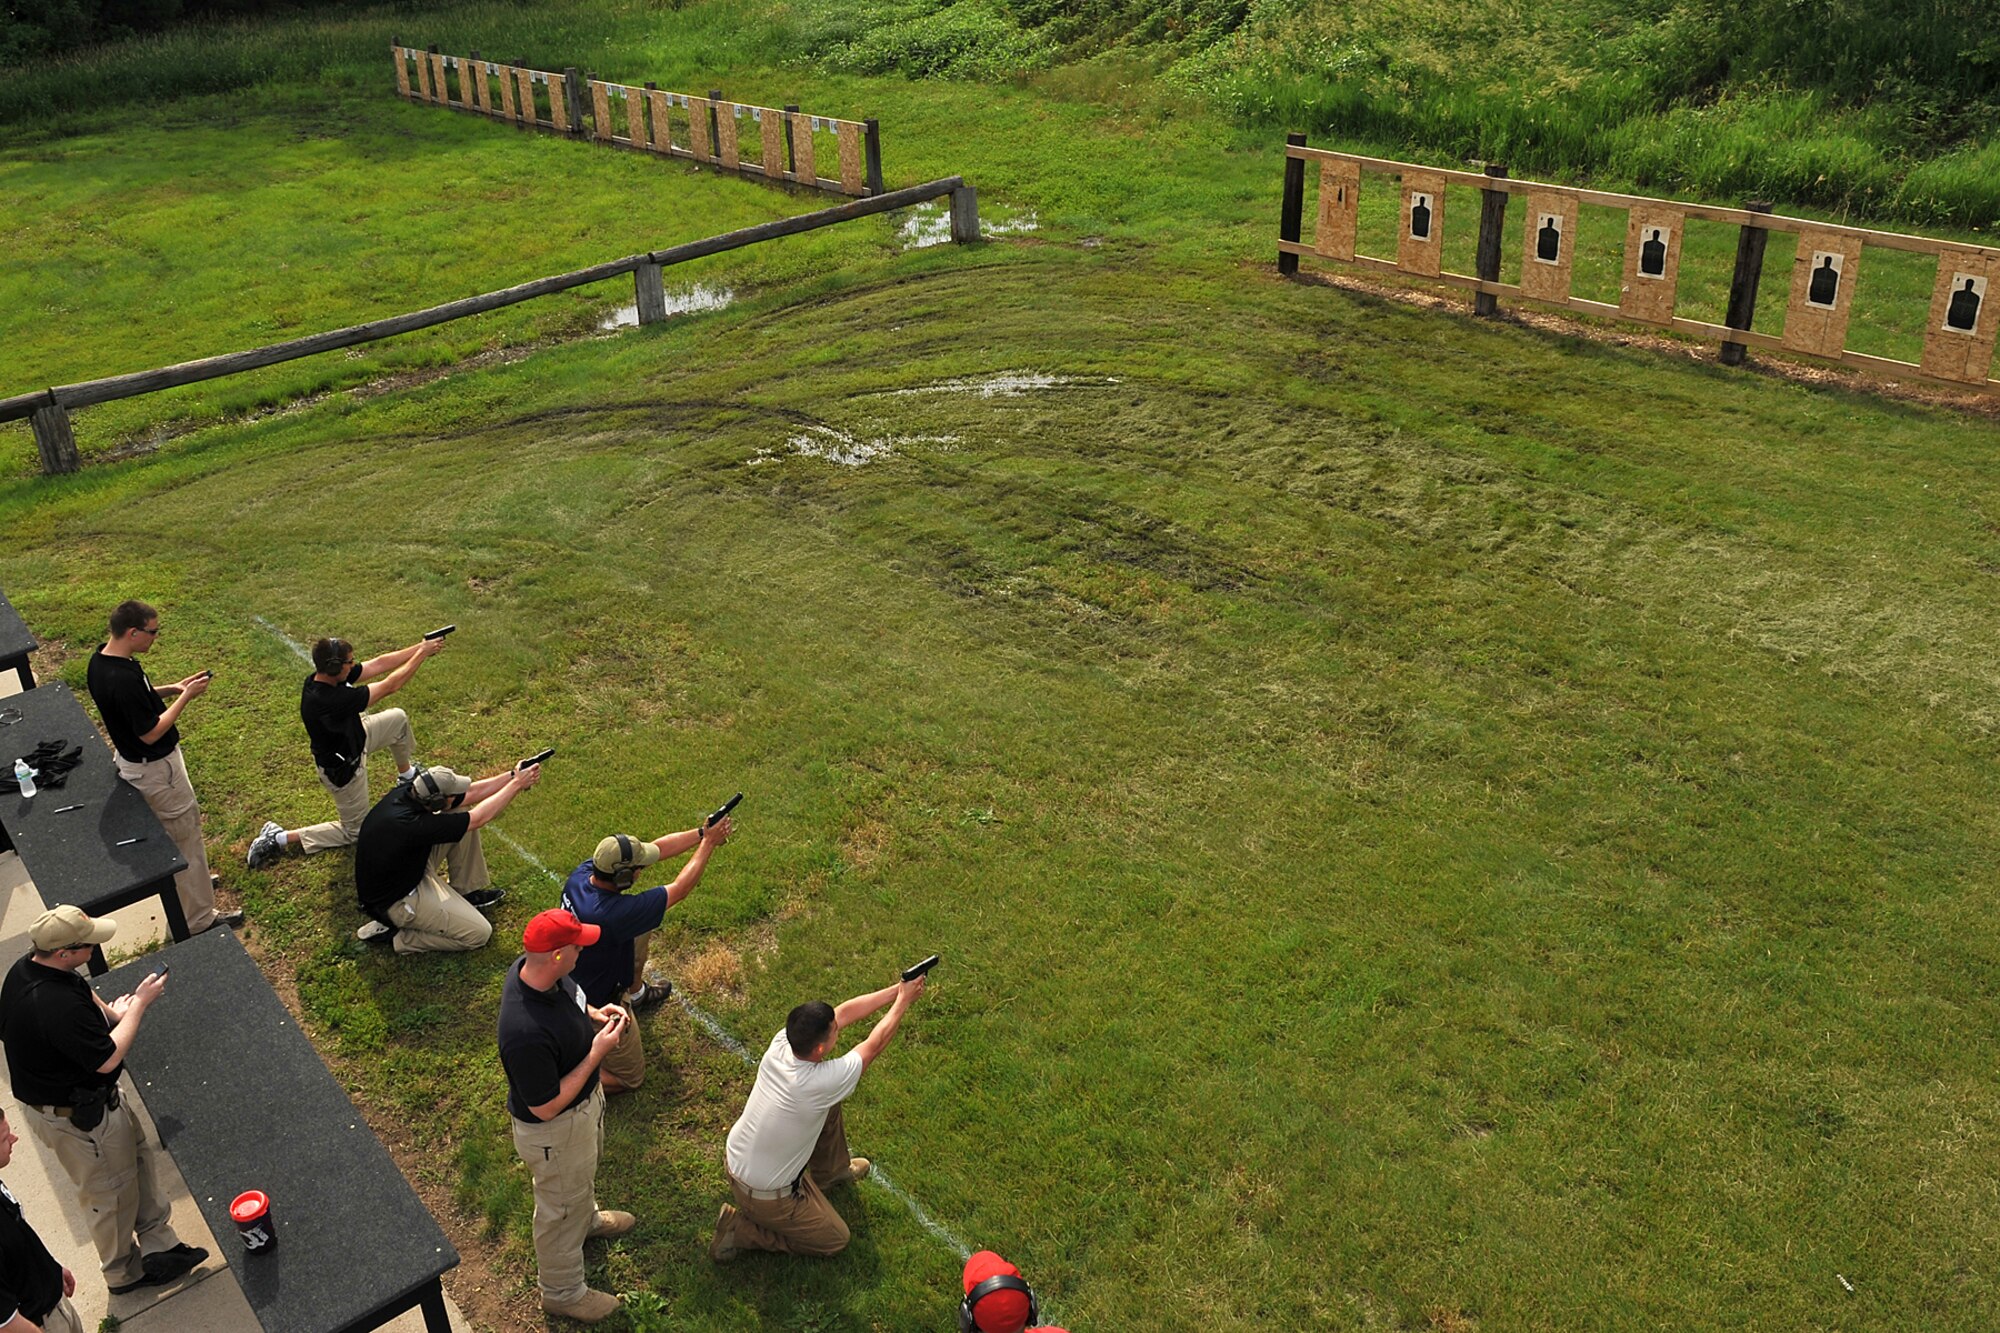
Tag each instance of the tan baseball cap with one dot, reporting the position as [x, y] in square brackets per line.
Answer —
[67, 927]
[622, 851]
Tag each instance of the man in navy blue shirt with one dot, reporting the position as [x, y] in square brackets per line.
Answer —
[613, 969]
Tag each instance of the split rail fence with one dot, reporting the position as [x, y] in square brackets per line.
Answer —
[778, 143]
[49, 409]
[1958, 334]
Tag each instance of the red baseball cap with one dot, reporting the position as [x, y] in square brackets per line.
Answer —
[1004, 1311]
[553, 929]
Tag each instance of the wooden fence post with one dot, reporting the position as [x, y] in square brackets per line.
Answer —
[573, 101]
[1492, 224]
[871, 144]
[53, 438]
[1294, 206]
[649, 294]
[714, 125]
[964, 215]
[1750, 243]
[791, 150]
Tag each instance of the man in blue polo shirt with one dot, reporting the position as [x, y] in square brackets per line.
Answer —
[613, 969]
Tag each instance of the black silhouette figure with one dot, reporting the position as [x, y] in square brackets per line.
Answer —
[1420, 217]
[1340, 194]
[1653, 256]
[1548, 241]
[1825, 283]
[1964, 312]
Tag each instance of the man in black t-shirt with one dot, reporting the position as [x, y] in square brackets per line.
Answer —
[334, 704]
[423, 831]
[33, 1286]
[142, 720]
[552, 1041]
[65, 1049]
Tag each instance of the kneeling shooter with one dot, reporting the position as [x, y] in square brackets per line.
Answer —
[419, 871]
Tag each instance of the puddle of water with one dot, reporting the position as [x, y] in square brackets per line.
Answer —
[930, 224]
[680, 301]
[1007, 384]
[842, 449]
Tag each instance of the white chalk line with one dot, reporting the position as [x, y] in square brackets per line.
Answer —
[706, 1020]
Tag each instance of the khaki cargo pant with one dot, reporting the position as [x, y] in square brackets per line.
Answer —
[391, 728]
[62, 1319]
[113, 1169]
[164, 783]
[561, 1155]
[804, 1222]
[434, 917]
[627, 1060]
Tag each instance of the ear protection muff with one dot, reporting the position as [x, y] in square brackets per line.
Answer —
[628, 876]
[998, 1282]
[424, 787]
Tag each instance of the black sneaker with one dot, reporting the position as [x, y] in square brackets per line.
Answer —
[166, 1266]
[485, 898]
[649, 994]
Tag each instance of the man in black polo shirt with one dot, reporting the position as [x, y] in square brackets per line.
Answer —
[413, 839]
[334, 705]
[552, 1041]
[141, 719]
[33, 1287]
[65, 1050]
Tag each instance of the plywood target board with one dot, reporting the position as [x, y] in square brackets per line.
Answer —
[526, 78]
[1339, 209]
[1823, 277]
[1652, 264]
[402, 72]
[1420, 247]
[807, 168]
[1549, 256]
[600, 105]
[1958, 340]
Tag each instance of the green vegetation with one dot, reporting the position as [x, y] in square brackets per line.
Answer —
[1431, 823]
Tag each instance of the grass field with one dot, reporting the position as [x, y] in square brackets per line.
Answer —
[1431, 824]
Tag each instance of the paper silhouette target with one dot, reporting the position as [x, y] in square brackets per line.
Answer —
[1549, 246]
[1421, 249]
[1652, 264]
[1823, 276]
[1958, 345]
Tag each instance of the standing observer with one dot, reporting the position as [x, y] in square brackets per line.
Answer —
[142, 719]
[595, 894]
[419, 871]
[34, 1288]
[790, 1144]
[552, 1043]
[334, 705]
[65, 1050]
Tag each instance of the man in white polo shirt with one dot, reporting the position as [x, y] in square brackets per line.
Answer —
[790, 1144]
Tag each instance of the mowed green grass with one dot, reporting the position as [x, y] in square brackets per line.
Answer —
[1426, 822]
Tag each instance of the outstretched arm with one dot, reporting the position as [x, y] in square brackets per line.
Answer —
[906, 993]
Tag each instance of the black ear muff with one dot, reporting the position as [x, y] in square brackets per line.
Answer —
[998, 1282]
[627, 874]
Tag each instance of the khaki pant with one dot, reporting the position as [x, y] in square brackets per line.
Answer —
[164, 783]
[804, 1222]
[627, 1060]
[561, 1155]
[62, 1319]
[434, 917]
[113, 1170]
[390, 727]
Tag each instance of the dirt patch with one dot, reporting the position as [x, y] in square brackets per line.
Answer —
[46, 662]
[716, 970]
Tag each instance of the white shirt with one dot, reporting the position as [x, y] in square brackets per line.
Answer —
[772, 1140]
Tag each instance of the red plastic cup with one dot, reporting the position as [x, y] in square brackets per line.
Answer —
[251, 1211]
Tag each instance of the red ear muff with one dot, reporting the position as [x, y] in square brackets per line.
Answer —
[998, 1282]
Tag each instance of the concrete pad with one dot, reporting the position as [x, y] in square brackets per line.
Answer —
[208, 1299]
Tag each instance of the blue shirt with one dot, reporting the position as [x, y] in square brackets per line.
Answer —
[604, 969]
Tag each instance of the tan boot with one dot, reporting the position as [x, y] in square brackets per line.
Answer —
[611, 1224]
[724, 1248]
[857, 1169]
[587, 1308]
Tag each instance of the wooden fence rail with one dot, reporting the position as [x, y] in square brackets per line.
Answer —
[1959, 332]
[49, 408]
[783, 143]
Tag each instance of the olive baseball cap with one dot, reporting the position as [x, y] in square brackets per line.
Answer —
[67, 927]
[621, 851]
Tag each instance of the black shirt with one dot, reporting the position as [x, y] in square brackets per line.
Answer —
[56, 1036]
[30, 1278]
[332, 714]
[129, 707]
[394, 847]
[543, 1035]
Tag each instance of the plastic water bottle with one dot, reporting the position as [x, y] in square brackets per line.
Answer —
[25, 776]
